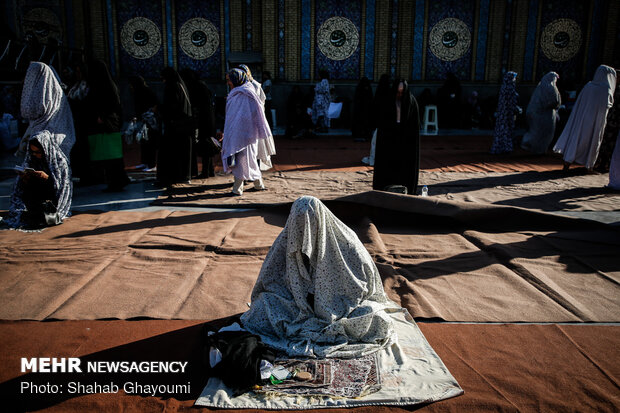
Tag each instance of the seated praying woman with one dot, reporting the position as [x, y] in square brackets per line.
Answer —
[319, 293]
[42, 191]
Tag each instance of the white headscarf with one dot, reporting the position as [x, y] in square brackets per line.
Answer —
[319, 293]
[45, 105]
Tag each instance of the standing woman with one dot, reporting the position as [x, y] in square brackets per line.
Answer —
[266, 147]
[581, 138]
[176, 150]
[80, 157]
[362, 111]
[203, 112]
[507, 109]
[144, 100]
[245, 125]
[397, 156]
[612, 127]
[103, 116]
[320, 105]
[542, 114]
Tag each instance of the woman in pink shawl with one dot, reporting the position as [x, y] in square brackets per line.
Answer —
[245, 125]
[581, 138]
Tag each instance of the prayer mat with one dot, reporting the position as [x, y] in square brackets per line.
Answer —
[336, 377]
[410, 373]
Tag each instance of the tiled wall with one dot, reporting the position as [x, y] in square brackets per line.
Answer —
[420, 40]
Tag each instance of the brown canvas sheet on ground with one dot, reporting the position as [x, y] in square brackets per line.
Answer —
[439, 260]
[544, 191]
[500, 367]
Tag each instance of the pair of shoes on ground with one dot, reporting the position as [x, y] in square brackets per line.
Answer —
[258, 186]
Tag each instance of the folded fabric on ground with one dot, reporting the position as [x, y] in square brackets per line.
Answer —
[410, 372]
[438, 259]
[551, 191]
[544, 191]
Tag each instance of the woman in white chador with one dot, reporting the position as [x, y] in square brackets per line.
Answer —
[542, 115]
[581, 138]
[266, 147]
[319, 293]
[244, 127]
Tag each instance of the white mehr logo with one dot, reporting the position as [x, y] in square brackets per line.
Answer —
[51, 365]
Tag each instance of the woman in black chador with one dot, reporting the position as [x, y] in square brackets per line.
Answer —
[174, 164]
[103, 115]
[362, 111]
[203, 113]
[397, 156]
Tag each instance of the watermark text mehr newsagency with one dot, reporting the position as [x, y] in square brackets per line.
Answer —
[74, 365]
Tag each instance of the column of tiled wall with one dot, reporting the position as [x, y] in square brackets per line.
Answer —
[405, 38]
[97, 29]
[518, 35]
[292, 40]
[270, 35]
[382, 39]
[237, 26]
[497, 20]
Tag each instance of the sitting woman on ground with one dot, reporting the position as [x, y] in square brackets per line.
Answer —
[319, 293]
[43, 189]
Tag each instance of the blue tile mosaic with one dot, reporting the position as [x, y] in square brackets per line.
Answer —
[111, 47]
[281, 45]
[463, 11]
[149, 68]
[394, 39]
[348, 68]
[483, 31]
[570, 70]
[227, 28]
[70, 21]
[248, 25]
[530, 41]
[209, 67]
[418, 40]
[369, 63]
[306, 9]
[507, 28]
[596, 42]
[169, 46]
